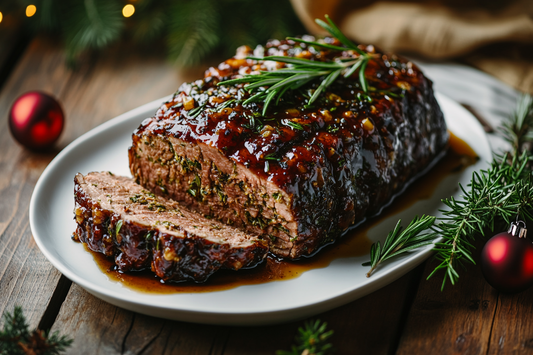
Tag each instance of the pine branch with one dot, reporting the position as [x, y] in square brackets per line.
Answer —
[16, 339]
[92, 24]
[312, 339]
[47, 16]
[499, 194]
[194, 31]
[518, 130]
[151, 21]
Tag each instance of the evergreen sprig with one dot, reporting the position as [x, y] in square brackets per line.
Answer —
[193, 30]
[499, 194]
[16, 339]
[270, 86]
[401, 240]
[312, 339]
[518, 130]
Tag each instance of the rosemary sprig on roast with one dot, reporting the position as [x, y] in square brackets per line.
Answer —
[270, 86]
[493, 196]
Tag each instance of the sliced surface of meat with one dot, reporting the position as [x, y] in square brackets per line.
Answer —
[300, 175]
[119, 218]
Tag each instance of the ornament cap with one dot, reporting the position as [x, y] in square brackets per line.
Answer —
[518, 229]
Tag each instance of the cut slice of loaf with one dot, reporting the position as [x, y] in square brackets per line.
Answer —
[119, 218]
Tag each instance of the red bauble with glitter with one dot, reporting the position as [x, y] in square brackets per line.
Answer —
[507, 260]
[36, 120]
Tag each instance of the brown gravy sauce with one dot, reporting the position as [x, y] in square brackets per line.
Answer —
[354, 243]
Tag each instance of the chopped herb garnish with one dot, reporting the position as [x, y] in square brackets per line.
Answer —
[332, 129]
[149, 235]
[293, 125]
[118, 227]
[195, 187]
[271, 157]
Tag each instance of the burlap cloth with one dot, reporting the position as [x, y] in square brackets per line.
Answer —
[495, 36]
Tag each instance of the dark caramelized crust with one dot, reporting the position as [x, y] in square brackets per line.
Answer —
[120, 219]
[300, 175]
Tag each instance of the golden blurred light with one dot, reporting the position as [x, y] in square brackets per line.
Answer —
[31, 10]
[1, 17]
[128, 10]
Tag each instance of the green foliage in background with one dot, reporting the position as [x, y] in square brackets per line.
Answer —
[191, 30]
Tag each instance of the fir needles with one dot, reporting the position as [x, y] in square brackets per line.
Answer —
[502, 193]
[16, 339]
[312, 339]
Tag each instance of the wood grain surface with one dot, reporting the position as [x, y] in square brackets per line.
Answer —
[409, 316]
[457, 320]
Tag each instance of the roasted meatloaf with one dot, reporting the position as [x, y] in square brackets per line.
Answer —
[119, 218]
[300, 175]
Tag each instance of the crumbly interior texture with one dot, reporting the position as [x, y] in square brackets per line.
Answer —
[120, 218]
[299, 175]
[204, 180]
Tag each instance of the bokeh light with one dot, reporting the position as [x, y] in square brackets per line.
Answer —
[31, 10]
[128, 10]
[1, 16]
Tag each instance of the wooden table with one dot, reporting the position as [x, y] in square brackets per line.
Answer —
[409, 316]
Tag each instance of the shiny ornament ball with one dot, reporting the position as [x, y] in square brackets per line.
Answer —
[507, 262]
[36, 120]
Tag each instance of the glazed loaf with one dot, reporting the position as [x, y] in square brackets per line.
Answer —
[301, 175]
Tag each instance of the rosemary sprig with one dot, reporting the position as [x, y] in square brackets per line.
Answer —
[518, 131]
[312, 339]
[294, 125]
[401, 240]
[268, 86]
[225, 104]
[498, 194]
[17, 339]
[196, 111]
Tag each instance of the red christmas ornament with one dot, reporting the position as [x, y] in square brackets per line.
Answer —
[36, 120]
[507, 260]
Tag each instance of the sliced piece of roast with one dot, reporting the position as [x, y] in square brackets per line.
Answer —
[121, 219]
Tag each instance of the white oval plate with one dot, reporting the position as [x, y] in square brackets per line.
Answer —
[316, 291]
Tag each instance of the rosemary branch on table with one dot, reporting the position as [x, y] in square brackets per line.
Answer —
[501, 193]
[270, 86]
[16, 338]
[312, 339]
[401, 240]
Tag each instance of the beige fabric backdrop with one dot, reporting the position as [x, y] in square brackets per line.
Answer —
[495, 36]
